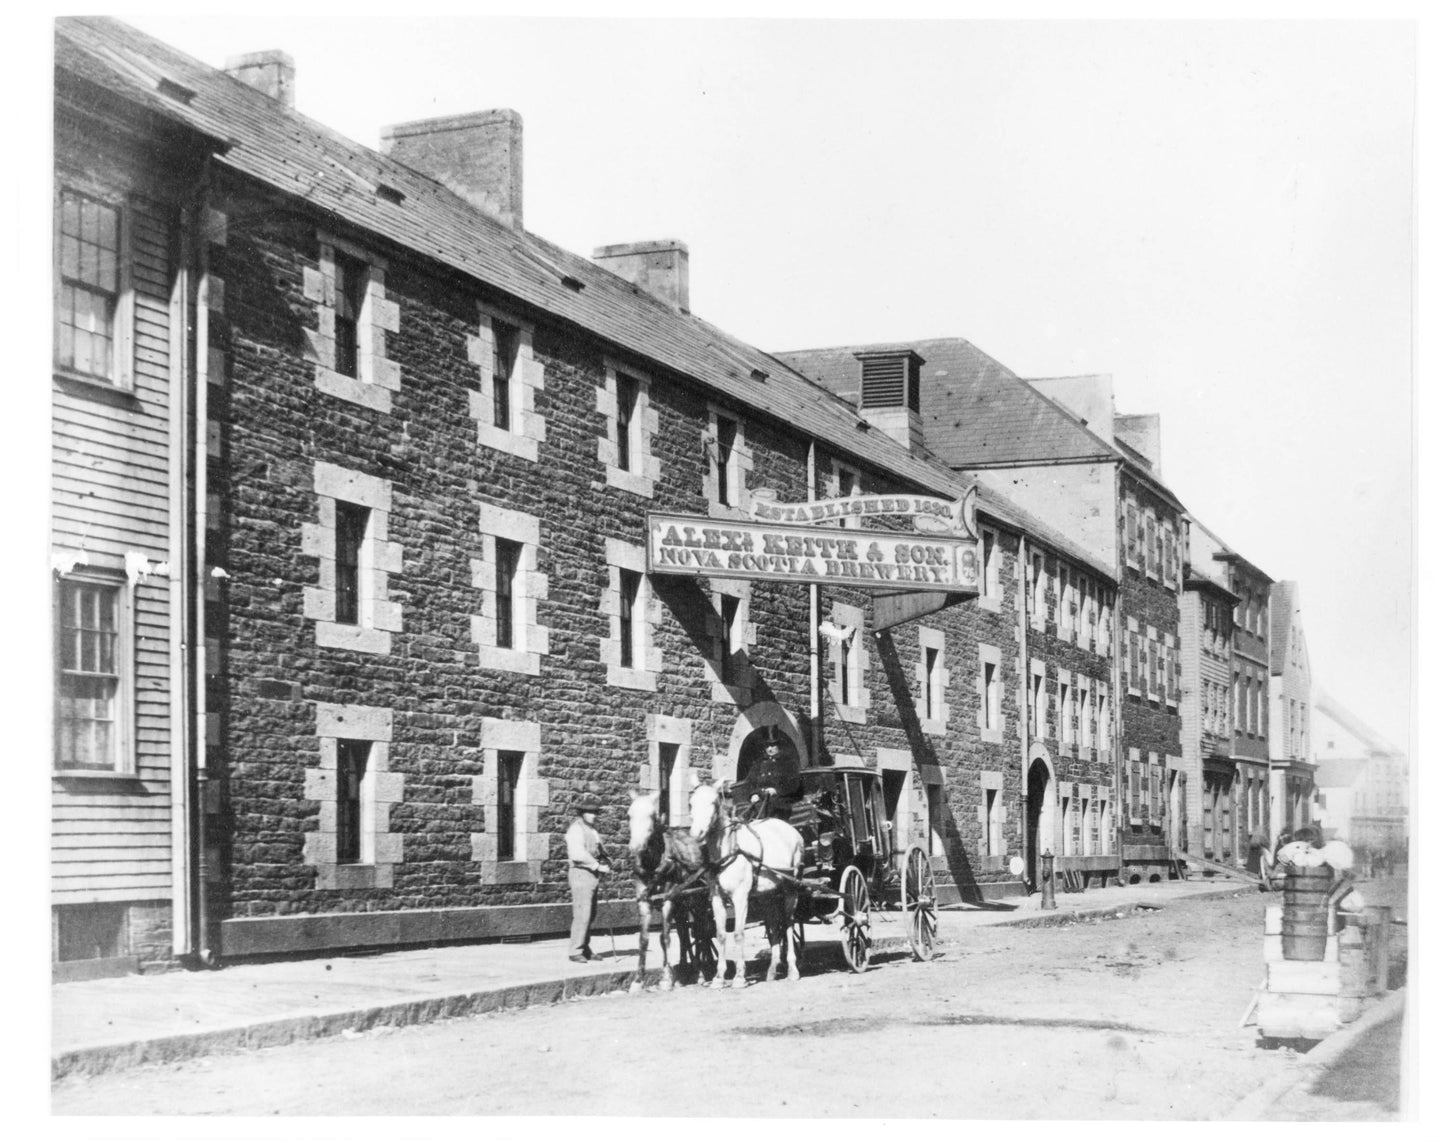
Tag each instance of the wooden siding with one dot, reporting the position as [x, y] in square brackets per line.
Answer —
[111, 837]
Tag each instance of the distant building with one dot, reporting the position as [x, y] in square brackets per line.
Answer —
[1207, 636]
[1293, 777]
[1363, 781]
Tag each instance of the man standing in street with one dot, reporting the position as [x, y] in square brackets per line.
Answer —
[586, 864]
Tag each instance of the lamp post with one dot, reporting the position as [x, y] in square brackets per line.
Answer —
[1047, 877]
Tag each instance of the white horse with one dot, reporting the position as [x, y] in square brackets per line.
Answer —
[750, 859]
[663, 861]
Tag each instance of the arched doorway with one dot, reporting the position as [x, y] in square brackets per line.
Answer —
[750, 753]
[752, 731]
[1039, 824]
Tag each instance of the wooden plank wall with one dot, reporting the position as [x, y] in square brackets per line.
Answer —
[111, 838]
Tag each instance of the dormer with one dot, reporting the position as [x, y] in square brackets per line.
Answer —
[888, 393]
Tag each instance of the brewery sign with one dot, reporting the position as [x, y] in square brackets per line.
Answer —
[745, 549]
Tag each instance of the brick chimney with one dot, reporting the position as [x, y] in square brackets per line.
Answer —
[659, 267]
[479, 156]
[271, 72]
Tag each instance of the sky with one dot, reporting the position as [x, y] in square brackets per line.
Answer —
[1219, 215]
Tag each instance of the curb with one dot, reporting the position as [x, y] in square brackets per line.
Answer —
[1318, 1059]
[99, 1059]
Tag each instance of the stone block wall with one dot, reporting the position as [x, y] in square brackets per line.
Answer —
[442, 687]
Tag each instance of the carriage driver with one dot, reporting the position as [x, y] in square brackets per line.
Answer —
[775, 785]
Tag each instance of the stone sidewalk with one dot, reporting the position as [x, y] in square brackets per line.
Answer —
[101, 1025]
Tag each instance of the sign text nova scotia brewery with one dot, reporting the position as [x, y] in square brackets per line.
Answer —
[783, 543]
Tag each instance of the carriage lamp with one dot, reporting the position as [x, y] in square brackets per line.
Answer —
[1047, 877]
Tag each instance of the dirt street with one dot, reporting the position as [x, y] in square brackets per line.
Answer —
[1125, 1019]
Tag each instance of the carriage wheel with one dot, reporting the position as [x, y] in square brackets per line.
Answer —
[920, 904]
[699, 948]
[854, 912]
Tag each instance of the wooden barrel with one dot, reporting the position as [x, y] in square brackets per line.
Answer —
[1306, 921]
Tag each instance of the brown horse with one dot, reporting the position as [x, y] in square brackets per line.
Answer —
[663, 861]
[760, 858]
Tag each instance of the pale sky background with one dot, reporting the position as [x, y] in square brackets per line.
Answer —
[1217, 214]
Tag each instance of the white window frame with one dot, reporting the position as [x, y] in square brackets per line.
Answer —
[1151, 544]
[528, 428]
[990, 596]
[378, 617]
[381, 849]
[531, 640]
[932, 689]
[855, 649]
[377, 376]
[739, 691]
[646, 657]
[1039, 698]
[847, 480]
[124, 762]
[990, 698]
[1039, 586]
[662, 731]
[1151, 673]
[122, 349]
[739, 466]
[642, 471]
[531, 846]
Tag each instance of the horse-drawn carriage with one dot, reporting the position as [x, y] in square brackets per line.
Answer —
[846, 868]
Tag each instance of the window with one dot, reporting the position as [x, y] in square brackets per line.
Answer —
[90, 287]
[354, 833]
[730, 643]
[1131, 534]
[505, 339]
[91, 661]
[351, 524]
[1040, 600]
[1092, 842]
[629, 590]
[666, 779]
[1039, 701]
[1151, 545]
[350, 602]
[626, 644]
[508, 565]
[1075, 818]
[931, 701]
[1105, 715]
[934, 794]
[352, 278]
[993, 823]
[990, 696]
[1066, 714]
[509, 775]
[727, 434]
[1134, 786]
[627, 392]
[990, 564]
[847, 652]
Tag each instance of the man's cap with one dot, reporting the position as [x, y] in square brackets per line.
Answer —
[589, 805]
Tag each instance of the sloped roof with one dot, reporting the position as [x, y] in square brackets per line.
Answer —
[994, 501]
[1337, 772]
[1351, 723]
[976, 411]
[283, 149]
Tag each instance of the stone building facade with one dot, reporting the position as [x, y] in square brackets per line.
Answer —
[425, 446]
